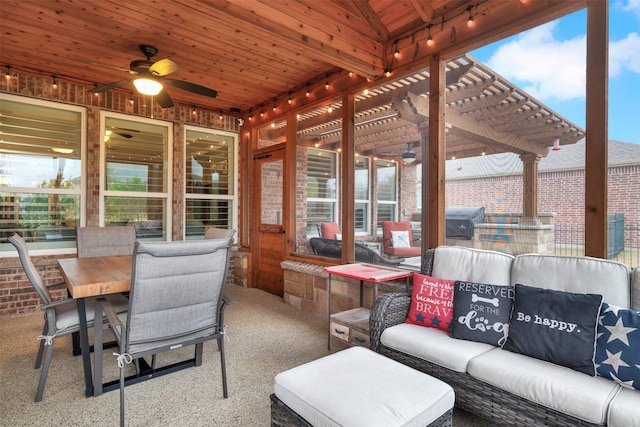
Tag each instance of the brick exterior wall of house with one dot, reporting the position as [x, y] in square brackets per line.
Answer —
[16, 293]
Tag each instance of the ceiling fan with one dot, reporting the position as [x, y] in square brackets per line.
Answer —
[150, 78]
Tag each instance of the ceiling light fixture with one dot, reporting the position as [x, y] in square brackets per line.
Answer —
[409, 156]
[62, 150]
[147, 86]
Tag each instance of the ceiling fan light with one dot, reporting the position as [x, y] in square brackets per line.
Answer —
[147, 86]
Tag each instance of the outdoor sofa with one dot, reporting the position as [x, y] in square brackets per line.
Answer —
[509, 387]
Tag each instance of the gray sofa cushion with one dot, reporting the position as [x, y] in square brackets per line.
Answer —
[624, 410]
[472, 265]
[575, 274]
[635, 289]
[547, 384]
[433, 345]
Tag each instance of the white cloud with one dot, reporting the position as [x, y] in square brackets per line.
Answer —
[550, 69]
[544, 67]
[632, 6]
[625, 53]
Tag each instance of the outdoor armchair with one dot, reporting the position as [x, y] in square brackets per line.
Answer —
[176, 300]
[397, 239]
[61, 316]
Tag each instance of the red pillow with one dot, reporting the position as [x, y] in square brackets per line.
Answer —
[431, 302]
[329, 230]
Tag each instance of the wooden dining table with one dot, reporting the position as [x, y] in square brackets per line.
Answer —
[91, 277]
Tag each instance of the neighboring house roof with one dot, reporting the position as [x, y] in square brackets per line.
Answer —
[569, 157]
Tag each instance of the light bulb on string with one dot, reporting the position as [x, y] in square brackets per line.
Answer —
[470, 19]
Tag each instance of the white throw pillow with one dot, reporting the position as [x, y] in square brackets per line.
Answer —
[400, 239]
[338, 236]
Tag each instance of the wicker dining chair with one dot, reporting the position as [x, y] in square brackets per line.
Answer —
[176, 300]
[61, 316]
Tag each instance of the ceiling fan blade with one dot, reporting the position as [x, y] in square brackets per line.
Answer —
[191, 87]
[164, 99]
[109, 86]
[164, 67]
[99, 64]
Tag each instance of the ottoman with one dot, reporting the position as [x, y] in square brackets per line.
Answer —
[358, 387]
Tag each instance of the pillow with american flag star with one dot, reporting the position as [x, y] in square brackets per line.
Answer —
[431, 302]
[618, 345]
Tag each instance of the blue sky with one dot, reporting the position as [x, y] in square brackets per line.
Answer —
[548, 62]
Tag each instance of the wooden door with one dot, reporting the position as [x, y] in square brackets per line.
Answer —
[269, 239]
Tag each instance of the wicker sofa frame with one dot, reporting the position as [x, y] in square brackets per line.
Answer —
[472, 395]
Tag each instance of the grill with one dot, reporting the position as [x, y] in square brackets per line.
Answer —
[460, 222]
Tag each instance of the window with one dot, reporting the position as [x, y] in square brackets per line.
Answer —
[40, 172]
[322, 197]
[362, 194]
[386, 178]
[136, 176]
[210, 180]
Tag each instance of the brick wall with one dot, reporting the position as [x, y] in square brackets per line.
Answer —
[560, 192]
[16, 293]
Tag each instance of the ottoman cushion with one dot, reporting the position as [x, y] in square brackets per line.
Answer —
[358, 387]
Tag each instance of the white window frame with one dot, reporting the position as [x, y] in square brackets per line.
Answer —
[168, 195]
[83, 181]
[335, 200]
[233, 197]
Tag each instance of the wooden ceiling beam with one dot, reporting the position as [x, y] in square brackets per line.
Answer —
[424, 9]
[251, 16]
[372, 18]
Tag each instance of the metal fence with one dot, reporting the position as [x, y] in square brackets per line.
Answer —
[623, 240]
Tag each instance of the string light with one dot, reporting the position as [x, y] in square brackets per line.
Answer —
[54, 84]
[193, 111]
[131, 100]
[470, 19]
[396, 54]
[308, 94]
[289, 100]
[8, 73]
[429, 39]
[220, 116]
[351, 74]
[274, 105]
[387, 72]
[261, 111]
[250, 117]
[326, 82]
[330, 109]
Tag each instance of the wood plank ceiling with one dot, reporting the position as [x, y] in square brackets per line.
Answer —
[256, 51]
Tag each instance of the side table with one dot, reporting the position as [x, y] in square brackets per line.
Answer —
[358, 317]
